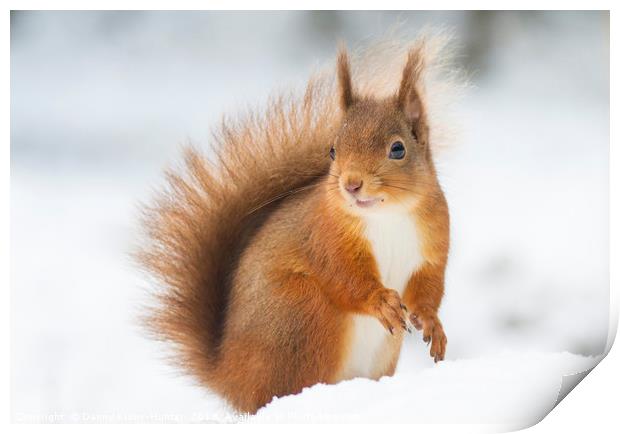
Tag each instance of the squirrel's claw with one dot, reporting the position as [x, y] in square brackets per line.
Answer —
[388, 309]
[433, 334]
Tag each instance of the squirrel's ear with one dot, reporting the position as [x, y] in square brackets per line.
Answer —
[344, 80]
[409, 98]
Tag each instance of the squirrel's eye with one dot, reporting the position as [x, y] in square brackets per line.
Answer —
[332, 153]
[397, 151]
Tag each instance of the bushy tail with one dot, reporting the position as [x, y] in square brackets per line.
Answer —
[198, 226]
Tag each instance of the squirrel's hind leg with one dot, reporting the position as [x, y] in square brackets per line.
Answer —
[292, 342]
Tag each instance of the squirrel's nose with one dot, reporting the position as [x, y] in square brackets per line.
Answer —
[353, 185]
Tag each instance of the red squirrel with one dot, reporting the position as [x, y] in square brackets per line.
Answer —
[300, 252]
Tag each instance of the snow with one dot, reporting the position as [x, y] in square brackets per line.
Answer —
[507, 390]
[527, 290]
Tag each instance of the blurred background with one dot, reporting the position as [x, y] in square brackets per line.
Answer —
[101, 103]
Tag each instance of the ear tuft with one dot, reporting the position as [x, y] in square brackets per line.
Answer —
[344, 79]
[409, 98]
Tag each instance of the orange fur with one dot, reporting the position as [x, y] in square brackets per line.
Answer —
[261, 255]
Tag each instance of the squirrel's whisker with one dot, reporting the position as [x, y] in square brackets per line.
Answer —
[281, 196]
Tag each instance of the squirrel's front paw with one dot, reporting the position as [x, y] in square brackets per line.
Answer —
[433, 333]
[388, 308]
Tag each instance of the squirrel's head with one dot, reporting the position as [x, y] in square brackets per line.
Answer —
[381, 152]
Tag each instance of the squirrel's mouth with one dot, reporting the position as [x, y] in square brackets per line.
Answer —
[367, 203]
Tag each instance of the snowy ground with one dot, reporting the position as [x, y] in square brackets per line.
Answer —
[505, 391]
[527, 286]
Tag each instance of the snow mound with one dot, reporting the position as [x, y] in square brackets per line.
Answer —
[510, 389]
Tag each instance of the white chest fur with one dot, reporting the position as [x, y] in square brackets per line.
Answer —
[395, 244]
